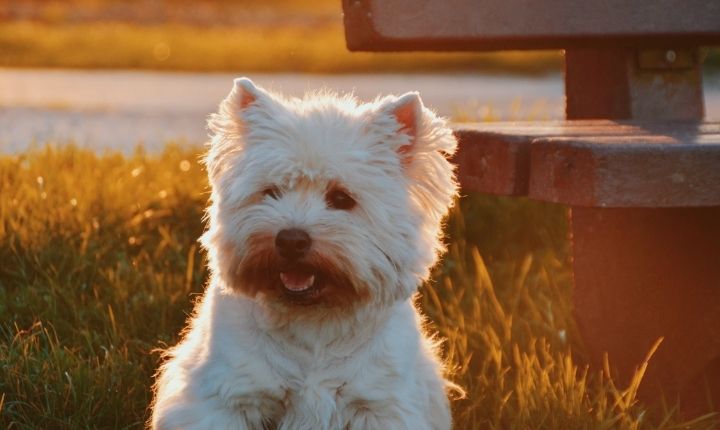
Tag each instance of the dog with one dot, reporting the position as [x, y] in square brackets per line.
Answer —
[325, 217]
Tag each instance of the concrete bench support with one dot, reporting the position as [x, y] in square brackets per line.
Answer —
[645, 273]
[645, 225]
[630, 83]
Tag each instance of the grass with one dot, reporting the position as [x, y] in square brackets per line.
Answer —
[316, 48]
[100, 266]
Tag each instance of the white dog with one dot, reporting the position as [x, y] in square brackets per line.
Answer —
[325, 217]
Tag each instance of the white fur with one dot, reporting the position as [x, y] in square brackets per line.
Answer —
[250, 361]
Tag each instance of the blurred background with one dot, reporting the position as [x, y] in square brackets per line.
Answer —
[153, 69]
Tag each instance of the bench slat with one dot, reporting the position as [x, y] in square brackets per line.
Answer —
[594, 163]
[456, 25]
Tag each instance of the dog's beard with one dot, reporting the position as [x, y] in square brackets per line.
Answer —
[316, 279]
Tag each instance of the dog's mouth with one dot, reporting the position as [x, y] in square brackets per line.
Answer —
[312, 280]
[301, 285]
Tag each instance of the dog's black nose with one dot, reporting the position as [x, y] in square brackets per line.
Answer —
[292, 243]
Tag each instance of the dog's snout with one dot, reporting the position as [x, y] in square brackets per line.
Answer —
[292, 243]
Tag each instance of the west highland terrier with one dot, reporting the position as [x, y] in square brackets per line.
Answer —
[325, 217]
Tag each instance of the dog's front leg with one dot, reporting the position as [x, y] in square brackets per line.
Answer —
[211, 414]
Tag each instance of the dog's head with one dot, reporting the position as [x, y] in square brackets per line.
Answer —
[323, 201]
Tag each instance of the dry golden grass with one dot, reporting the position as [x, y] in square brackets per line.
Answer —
[100, 265]
[319, 48]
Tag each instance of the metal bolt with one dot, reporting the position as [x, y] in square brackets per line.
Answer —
[670, 56]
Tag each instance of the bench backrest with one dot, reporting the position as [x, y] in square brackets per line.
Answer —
[454, 25]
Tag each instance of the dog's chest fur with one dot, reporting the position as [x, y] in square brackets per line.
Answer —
[301, 378]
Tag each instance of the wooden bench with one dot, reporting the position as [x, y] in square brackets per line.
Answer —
[638, 167]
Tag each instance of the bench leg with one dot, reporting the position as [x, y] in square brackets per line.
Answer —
[641, 274]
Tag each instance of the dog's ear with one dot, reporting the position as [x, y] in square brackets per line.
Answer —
[245, 93]
[246, 104]
[424, 143]
[407, 112]
[235, 112]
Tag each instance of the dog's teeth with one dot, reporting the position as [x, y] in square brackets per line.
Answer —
[297, 282]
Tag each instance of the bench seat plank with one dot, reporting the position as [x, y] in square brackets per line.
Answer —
[594, 163]
[456, 25]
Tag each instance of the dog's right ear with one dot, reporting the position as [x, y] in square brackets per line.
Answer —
[245, 93]
[245, 104]
[234, 114]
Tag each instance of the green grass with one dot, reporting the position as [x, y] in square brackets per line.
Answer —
[100, 266]
[316, 48]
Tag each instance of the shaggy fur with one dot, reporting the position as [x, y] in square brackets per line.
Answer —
[350, 353]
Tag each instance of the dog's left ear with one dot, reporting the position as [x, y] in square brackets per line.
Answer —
[412, 130]
[407, 111]
[423, 143]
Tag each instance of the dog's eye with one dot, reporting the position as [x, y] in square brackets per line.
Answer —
[339, 199]
[272, 192]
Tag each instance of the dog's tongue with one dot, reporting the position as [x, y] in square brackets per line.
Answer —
[297, 281]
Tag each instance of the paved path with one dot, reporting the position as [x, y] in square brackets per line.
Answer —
[117, 109]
